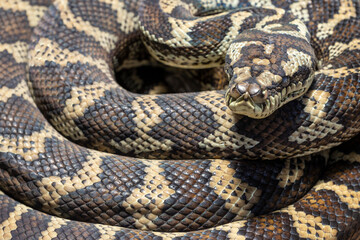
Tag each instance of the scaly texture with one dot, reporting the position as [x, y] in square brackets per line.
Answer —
[72, 79]
[331, 210]
[47, 172]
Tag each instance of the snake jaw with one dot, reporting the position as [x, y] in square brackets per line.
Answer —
[248, 98]
[247, 105]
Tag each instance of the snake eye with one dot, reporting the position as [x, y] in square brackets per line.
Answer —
[242, 88]
[254, 89]
[235, 93]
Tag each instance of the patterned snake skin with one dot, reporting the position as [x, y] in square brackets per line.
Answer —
[45, 171]
[182, 126]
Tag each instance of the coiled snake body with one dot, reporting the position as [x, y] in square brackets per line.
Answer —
[71, 56]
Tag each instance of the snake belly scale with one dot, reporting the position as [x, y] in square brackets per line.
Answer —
[42, 171]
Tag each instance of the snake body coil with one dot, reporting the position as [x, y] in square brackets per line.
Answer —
[72, 53]
[182, 126]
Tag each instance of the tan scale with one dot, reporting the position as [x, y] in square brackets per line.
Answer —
[169, 5]
[340, 72]
[296, 60]
[22, 90]
[348, 196]
[83, 97]
[279, 149]
[233, 230]
[181, 29]
[266, 79]
[67, 127]
[181, 38]
[106, 40]
[346, 11]
[299, 9]
[128, 20]
[301, 26]
[106, 233]
[215, 139]
[227, 3]
[315, 130]
[75, 108]
[35, 144]
[18, 50]
[158, 188]
[239, 18]
[34, 13]
[315, 149]
[140, 146]
[235, 54]
[339, 47]
[264, 22]
[148, 104]
[309, 226]
[10, 224]
[150, 143]
[259, 61]
[53, 225]
[47, 50]
[233, 227]
[176, 61]
[224, 185]
[261, 3]
[351, 157]
[242, 73]
[288, 176]
[53, 188]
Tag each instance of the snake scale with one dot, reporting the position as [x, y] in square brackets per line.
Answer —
[47, 181]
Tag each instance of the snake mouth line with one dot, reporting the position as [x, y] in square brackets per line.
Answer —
[248, 107]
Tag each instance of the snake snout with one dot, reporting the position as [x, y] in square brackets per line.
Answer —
[247, 91]
[247, 98]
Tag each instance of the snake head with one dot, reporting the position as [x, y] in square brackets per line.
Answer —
[267, 69]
